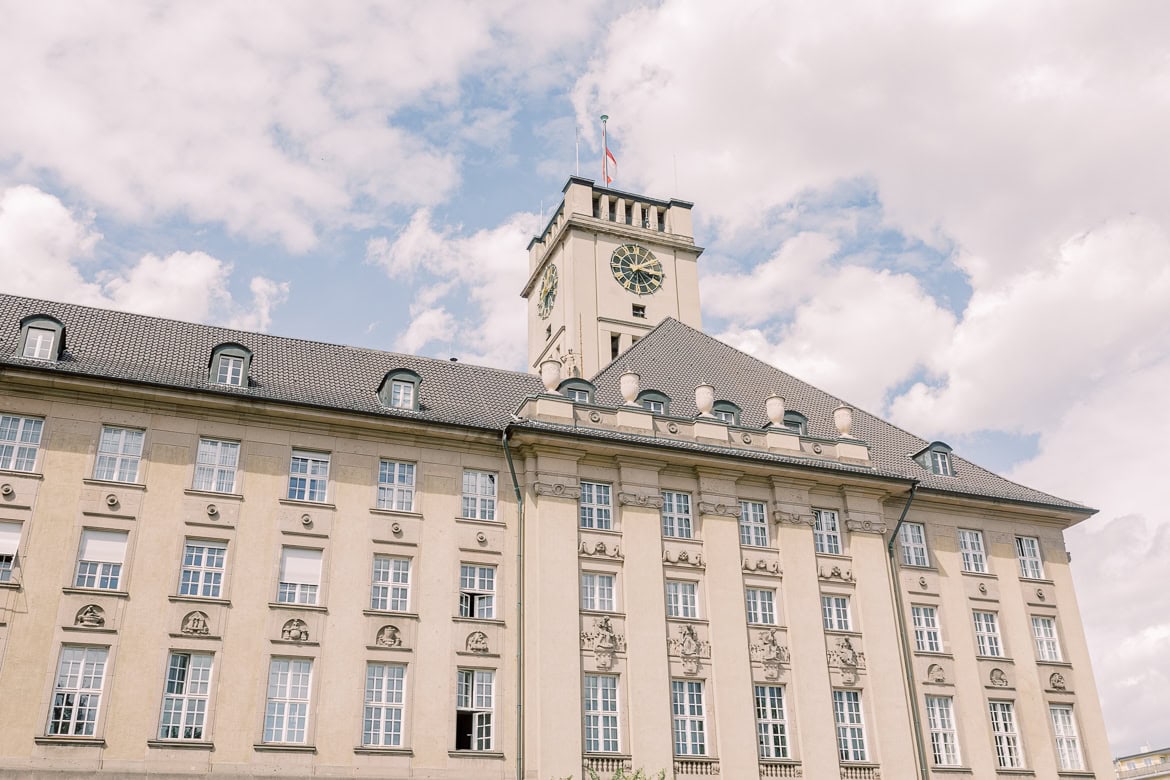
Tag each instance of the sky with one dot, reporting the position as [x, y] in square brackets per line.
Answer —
[954, 215]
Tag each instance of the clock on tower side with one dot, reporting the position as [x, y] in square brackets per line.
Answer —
[607, 268]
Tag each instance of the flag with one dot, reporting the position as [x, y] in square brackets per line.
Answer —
[609, 154]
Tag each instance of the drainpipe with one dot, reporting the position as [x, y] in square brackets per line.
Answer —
[519, 609]
[904, 636]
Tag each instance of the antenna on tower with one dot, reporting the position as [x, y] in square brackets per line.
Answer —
[604, 151]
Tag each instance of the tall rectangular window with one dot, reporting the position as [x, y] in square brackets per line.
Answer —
[753, 523]
[119, 452]
[690, 721]
[826, 532]
[477, 591]
[771, 725]
[390, 589]
[385, 704]
[596, 506]
[913, 538]
[100, 559]
[1028, 553]
[944, 738]
[597, 591]
[203, 567]
[1068, 742]
[286, 715]
[300, 576]
[974, 555]
[20, 437]
[188, 688]
[1047, 645]
[987, 634]
[401, 394]
[474, 705]
[926, 634]
[38, 343]
[835, 613]
[1006, 735]
[9, 542]
[231, 371]
[850, 727]
[682, 599]
[308, 476]
[215, 465]
[601, 714]
[396, 486]
[676, 515]
[479, 495]
[761, 606]
[77, 692]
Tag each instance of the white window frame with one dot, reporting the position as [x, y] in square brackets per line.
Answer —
[596, 506]
[1068, 740]
[1006, 735]
[186, 700]
[835, 612]
[987, 638]
[761, 606]
[577, 395]
[653, 406]
[477, 591]
[390, 584]
[677, 520]
[724, 415]
[384, 712]
[847, 715]
[201, 574]
[973, 550]
[753, 523]
[940, 463]
[76, 705]
[913, 540]
[308, 476]
[290, 693]
[944, 737]
[119, 454]
[682, 599]
[229, 370]
[598, 591]
[927, 638]
[216, 463]
[40, 346]
[396, 480]
[10, 534]
[771, 723]
[1047, 640]
[402, 394]
[475, 695]
[101, 570]
[300, 588]
[479, 494]
[689, 717]
[827, 532]
[602, 713]
[20, 442]
[1030, 558]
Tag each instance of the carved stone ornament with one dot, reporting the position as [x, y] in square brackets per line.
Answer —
[1040, 594]
[866, 526]
[672, 427]
[746, 438]
[983, 588]
[835, 573]
[684, 557]
[388, 636]
[640, 499]
[7, 490]
[690, 648]
[481, 537]
[843, 656]
[794, 518]
[722, 510]
[595, 417]
[557, 490]
[212, 510]
[762, 566]
[195, 624]
[595, 549]
[922, 583]
[1056, 682]
[295, 630]
[477, 642]
[603, 639]
[936, 674]
[90, 616]
[998, 678]
[769, 650]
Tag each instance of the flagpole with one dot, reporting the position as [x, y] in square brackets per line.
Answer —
[604, 149]
[577, 145]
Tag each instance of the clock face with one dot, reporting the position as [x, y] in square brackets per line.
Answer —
[548, 292]
[636, 268]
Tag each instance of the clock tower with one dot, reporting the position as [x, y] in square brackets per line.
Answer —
[608, 267]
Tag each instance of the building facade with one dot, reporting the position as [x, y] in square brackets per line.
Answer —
[231, 554]
[1146, 765]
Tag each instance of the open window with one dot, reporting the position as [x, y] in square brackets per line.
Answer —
[399, 389]
[230, 365]
[42, 337]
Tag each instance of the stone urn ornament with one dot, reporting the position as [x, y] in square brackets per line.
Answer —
[550, 374]
[704, 399]
[774, 406]
[843, 419]
[630, 384]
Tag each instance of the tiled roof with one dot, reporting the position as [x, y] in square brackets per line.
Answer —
[673, 359]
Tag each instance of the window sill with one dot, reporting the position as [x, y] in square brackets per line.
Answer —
[479, 521]
[388, 613]
[213, 494]
[983, 574]
[934, 653]
[199, 600]
[180, 744]
[396, 513]
[958, 770]
[917, 567]
[309, 504]
[599, 612]
[1082, 772]
[1017, 772]
[603, 531]
[834, 556]
[9, 585]
[490, 754]
[118, 594]
[999, 659]
[681, 619]
[18, 473]
[478, 620]
[756, 547]
[274, 747]
[290, 605]
[71, 741]
[840, 632]
[106, 482]
[1036, 581]
[373, 750]
[691, 539]
[1060, 664]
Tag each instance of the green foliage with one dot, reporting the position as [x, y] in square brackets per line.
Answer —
[621, 774]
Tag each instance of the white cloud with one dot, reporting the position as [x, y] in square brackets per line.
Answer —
[44, 251]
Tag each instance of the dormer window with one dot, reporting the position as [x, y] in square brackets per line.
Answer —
[796, 422]
[936, 459]
[230, 364]
[577, 390]
[726, 411]
[654, 402]
[399, 389]
[41, 337]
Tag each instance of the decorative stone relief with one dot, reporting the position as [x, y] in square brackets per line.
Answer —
[592, 549]
[922, 583]
[936, 674]
[723, 510]
[557, 490]
[762, 566]
[603, 641]
[295, 630]
[7, 490]
[195, 624]
[595, 417]
[90, 616]
[866, 526]
[848, 660]
[793, 518]
[1040, 594]
[672, 427]
[1056, 682]
[770, 653]
[684, 557]
[477, 642]
[835, 573]
[388, 636]
[640, 499]
[983, 588]
[998, 678]
[690, 648]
